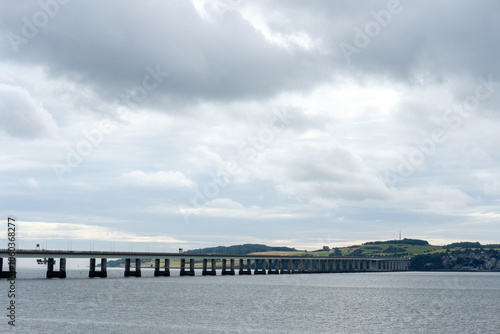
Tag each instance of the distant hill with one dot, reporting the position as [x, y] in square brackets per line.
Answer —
[240, 249]
[405, 241]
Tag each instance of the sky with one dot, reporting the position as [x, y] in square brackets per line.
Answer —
[158, 125]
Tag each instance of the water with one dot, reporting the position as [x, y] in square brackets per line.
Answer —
[402, 302]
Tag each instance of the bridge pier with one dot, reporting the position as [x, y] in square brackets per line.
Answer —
[334, 266]
[274, 267]
[308, 266]
[225, 271]
[51, 273]
[258, 271]
[98, 273]
[331, 266]
[11, 273]
[301, 266]
[323, 266]
[210, 272]
[185, 272]
[134, 273]
[285, 264]
[165, 272]
[248, 270]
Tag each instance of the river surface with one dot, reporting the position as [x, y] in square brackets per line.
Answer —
[399, 302]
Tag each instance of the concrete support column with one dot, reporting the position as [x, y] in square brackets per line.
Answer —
[274, 267]
[309, 266]
[317, 263]
[225, 271]
[322, 266]
[138, 267]
[185, 272]
[210, 272]
[98, 273]
[166, 268]
[248, 270]
[11, 273]
[51, 273]
[134, 273]
[286, 267]
[258, 270]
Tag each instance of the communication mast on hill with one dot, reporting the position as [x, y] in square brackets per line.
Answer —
[400, 235]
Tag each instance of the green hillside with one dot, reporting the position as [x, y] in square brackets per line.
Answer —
[404, 247]
[240, 249]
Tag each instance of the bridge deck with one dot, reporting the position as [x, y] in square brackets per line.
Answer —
[33, 253]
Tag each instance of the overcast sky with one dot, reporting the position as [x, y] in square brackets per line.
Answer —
[154, 125]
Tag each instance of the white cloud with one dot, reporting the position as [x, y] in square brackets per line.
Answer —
[447, 201]
[23, 117]
[161, 179]
[66, 231]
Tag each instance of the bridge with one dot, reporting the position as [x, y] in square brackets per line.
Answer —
[260, 264]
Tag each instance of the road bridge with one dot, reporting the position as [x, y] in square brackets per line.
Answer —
[245, 263]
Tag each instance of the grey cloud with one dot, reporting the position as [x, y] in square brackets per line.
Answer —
[109, 47]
